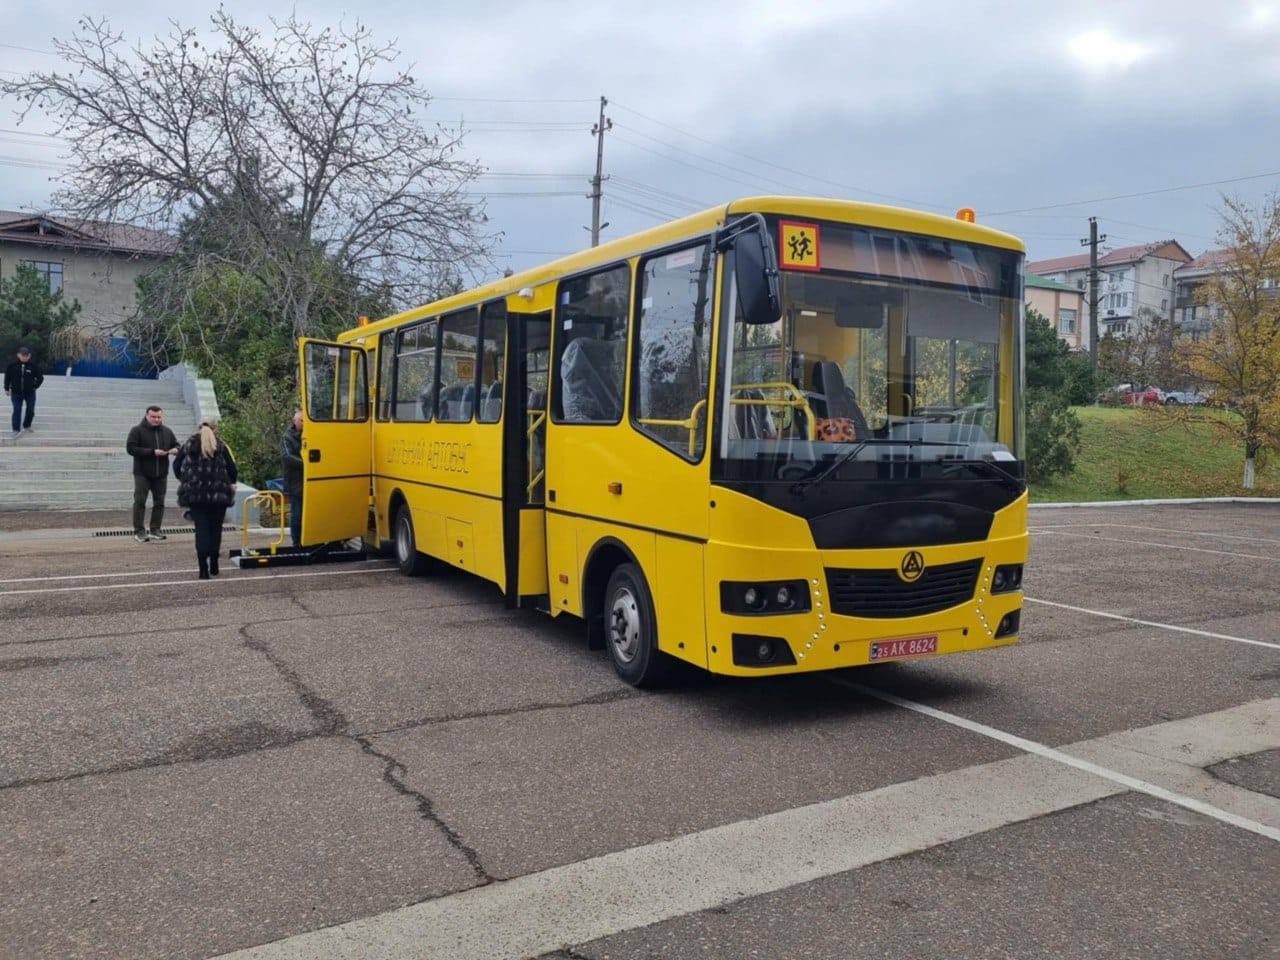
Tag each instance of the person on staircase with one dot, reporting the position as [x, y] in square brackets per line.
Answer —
[22, 379]
[207, 487]
[150, 443]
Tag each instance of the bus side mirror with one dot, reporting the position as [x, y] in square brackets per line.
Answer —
[756, 273]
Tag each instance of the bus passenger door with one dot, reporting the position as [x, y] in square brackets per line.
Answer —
[524, 442]
[336, 441]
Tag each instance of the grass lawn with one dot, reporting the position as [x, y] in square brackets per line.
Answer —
[1135, 453]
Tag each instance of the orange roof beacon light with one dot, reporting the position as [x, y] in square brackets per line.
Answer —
[966, 214]
[362, 321]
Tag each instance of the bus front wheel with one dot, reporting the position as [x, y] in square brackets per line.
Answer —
[630, 630]
[408, 559]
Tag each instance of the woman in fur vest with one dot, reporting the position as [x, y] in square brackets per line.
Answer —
[208, 474]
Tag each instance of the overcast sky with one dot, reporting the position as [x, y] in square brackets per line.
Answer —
[1139, 112]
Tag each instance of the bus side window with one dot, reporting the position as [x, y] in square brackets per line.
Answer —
[386, 368]
[493, 343]
[591, 331]
[459, 341]
[415, 372]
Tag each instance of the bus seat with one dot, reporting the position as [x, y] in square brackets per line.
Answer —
[751, 420]
[588, 372]
[427, 400]
[450, 402]
[491, 405]
[838, 399]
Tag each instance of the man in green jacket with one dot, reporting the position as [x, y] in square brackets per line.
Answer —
[151, 444]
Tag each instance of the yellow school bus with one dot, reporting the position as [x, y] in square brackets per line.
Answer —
[781, 435]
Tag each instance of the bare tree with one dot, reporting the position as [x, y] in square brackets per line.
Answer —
[294, 143]
[1237, 362]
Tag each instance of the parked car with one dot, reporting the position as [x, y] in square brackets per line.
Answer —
[1183, 396]
[1128, 394]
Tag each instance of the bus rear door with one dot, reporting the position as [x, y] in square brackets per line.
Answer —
[336, 441]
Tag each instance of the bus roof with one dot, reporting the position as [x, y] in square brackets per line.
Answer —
[851, 211]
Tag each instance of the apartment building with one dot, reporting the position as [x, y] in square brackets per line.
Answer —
[1062, 304]
[1134, 283]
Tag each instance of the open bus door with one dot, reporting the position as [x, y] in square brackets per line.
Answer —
[524, 441]
[336, 441]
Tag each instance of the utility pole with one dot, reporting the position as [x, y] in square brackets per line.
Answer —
[598, 131]
[1092, 244]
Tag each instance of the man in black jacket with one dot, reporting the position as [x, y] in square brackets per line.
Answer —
[22, 379]
[291, 461]
[151, 444]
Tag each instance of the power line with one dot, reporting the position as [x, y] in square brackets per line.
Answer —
[683, 163]
[1131, 196]
[435, 99]
[702, 157]
[768, 163]
[657, 193]
[14, 46]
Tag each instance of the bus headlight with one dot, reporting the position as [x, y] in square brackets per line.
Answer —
[767, 598]
[1007, 578]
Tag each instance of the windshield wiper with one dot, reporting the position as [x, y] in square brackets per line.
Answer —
[800, 486]
[991, 469]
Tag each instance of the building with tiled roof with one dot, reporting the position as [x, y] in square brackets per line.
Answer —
[1134, 283]
[1062, 304]
[94, 262]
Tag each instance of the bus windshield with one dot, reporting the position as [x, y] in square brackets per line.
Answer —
[901, 349]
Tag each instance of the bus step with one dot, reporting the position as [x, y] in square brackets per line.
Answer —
[254, 558]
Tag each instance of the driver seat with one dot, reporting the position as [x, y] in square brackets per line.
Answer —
[839, 399]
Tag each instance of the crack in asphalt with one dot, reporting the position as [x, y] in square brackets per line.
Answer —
[229, 743]
[307, 614]
[31, 663]
[426, 809]
[607, 696]
[332, 722]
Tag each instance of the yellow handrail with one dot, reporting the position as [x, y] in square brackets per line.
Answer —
[690, 424]
[798, 399]
[536, 420]
[276, 500]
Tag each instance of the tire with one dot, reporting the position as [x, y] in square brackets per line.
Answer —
[630, 629]
[408, 559]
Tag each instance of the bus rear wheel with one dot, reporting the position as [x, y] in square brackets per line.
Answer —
[630, 629]
[408, 559]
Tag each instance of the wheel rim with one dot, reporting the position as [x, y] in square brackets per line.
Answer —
[624, 625]
[404, 545]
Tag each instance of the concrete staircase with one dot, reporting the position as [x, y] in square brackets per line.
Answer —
[74, 457]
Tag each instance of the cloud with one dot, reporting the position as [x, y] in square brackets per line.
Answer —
[1099, 50]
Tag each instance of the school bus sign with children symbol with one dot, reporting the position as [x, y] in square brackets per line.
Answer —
[798, 246]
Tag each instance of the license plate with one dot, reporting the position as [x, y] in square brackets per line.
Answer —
[904, 647]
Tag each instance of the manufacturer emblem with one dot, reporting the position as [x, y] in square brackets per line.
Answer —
[912, 566]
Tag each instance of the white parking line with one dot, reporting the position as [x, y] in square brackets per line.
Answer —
[1058, 756]
[1153, 623]
[1150, 543]
[191, 581]
[557, 908]
[1138, 526]
[90, 576]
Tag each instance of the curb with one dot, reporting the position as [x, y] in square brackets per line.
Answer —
[1151, 503]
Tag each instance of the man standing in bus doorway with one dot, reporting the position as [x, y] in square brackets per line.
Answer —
[22, 379]
[291, 460]
[151, 444]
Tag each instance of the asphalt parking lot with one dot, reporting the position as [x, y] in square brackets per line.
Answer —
[342, 762]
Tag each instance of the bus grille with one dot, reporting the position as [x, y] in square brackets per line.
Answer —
[882, 594]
